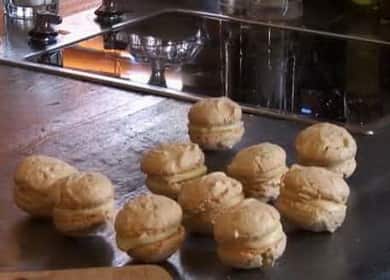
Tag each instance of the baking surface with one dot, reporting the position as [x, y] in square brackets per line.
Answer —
[107, 130]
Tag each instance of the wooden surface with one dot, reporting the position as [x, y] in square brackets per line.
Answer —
[92, 127]
[108, 130]
[145, 272]
[69, 7]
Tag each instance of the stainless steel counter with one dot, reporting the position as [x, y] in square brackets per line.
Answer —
[81, 26]
[324, 18]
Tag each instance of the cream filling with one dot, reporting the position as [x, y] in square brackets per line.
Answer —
[71, 220]
[128, 243]
[315, 215]
[260, 184]
[308, 194]
[259, 243]
[218, 128]
[194, 173]
[245, 257]
[264, 192]
[312, 209]
[79, 214]
[272, 174]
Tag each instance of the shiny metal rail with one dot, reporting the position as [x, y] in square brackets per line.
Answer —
[151, 14]
[179, 95]
[281, 26]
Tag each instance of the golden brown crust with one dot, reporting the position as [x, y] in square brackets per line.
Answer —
[34, 179]
[39, 172]
[215, 112]
[33, 202]
[146, 216]
[173, 158]
[247, 258]
[205, 198]
[160, 250]
[249, 235]
[218, 140]
[83, 190]
[258, 160]
[313, 198]
[260, 168]
[211, 191]
[315, 183]
[325, 144]
[249, 220]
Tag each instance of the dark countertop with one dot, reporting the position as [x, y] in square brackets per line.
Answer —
[104, 129]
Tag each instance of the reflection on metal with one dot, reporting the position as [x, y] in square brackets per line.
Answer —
[275, 60]
[282, 25]
[269, 10]
[164, 53]
[179, 95]
[44, 32]
[109, 12]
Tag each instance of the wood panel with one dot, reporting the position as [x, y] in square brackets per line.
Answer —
[146, 272]
[68, 7]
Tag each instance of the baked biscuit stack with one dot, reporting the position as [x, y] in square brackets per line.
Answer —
[80, 203]
[83, 203]
[313, 198]
[205, 198]
[149, 228]
[260, 169]
[249, 234]
[34, 180]
[168, 166]
[215, 123]
[329, 146]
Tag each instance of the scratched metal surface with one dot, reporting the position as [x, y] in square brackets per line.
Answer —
[104, 129]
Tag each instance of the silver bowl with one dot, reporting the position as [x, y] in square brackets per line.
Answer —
[161, 53]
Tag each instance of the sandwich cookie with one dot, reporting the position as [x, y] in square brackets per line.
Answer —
[168, 166]
[260, 169]
[313, 198]
[215, 123]
[149, 228]
[250, 235]
[327, 145]
[203, 199]
[84, 204]
[34, 179]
